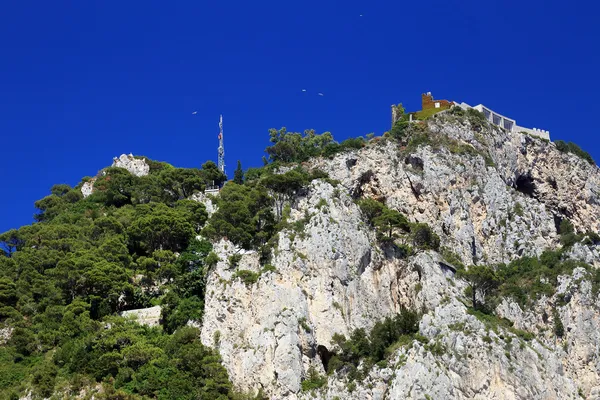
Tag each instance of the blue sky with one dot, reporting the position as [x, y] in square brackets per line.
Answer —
[84, 81]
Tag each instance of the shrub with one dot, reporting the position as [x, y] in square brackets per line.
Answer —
[373, 347]
[246, 276]
[212, 259]
[476, 118]
[304, 325]
[574, 149]
[559, 329]
[313, 381]
[424, 238]
[234, 260]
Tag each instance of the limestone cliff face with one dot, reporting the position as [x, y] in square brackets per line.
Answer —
[492, 197]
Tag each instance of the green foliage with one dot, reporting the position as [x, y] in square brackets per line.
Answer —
[399, 130]
[518, 209]
[293, 147]
[297, 147]
[482, 281]
[371, 209]
[238, 175]
[128, 245]
[476, 118]
[304, 325]
[423, 237]
[559, 329]
[451, 257]
[572, 148]
[390, 220]
[246, 276]
[385, 220]
[313, 381]
[425, 114]
[527, 278]
[285, 186]
[177, 311]
[375, 346]
[243, 216]
[234, 260]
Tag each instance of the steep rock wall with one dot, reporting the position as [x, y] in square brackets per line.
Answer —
[500, 201]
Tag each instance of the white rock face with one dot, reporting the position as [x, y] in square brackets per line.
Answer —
[5, 334]
[206, 200]
[88, 188]
[144, 316]
[135, 166]
[333, 277]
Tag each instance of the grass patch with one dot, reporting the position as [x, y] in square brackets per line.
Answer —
[424, 114]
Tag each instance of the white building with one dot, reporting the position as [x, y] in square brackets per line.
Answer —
[505, 122]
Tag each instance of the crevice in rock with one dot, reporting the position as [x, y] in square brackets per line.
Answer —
[415, 191]
[325, 355]
[474, 250]
[557, 220]
[364, 178]
[364, 262]
[351, 163]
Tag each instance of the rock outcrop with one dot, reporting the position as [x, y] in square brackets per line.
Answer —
[492, 197]
[135, 166]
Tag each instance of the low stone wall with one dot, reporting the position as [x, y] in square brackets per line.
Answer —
[535, 132]
[144, 316]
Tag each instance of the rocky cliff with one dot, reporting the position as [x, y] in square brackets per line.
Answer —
[492, 197]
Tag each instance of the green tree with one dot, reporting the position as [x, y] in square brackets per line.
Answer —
[371, 209]
[401, 123]
[157, 227]
[424, 237]
[285, 187]
[482, 282]
[238, 175]
[390, 220]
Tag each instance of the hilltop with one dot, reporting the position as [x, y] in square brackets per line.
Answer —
[449, 258]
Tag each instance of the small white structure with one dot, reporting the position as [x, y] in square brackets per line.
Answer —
[144, 316]
[504, 122]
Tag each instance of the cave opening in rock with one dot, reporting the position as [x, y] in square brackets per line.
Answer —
[525, 185]
[325, 355]
[557, 221]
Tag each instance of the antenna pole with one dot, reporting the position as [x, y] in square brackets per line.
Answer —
[221, 162]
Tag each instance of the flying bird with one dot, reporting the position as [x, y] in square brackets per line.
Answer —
[304, 90]
[321, 94]
[360, 15]
[195, 112]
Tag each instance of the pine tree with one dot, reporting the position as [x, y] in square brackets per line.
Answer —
[238, 175]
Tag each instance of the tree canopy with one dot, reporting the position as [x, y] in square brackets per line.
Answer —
[65, 279]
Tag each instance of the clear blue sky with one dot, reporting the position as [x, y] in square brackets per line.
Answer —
[83, 81]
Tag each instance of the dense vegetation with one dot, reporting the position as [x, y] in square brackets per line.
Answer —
[524, 279]
[297, 147]
[64, 279]
[571, 147]
[392, 226]
[131, 244]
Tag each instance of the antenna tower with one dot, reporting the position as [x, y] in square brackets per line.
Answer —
[221, 162]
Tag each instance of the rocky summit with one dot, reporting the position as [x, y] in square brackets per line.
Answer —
[447, 259]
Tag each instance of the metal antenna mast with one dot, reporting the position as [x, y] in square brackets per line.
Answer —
[221, 162]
